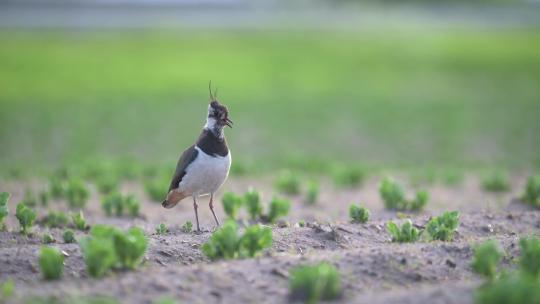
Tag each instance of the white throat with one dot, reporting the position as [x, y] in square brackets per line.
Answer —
[212, 125]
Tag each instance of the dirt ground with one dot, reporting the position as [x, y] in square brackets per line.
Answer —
[373, 269]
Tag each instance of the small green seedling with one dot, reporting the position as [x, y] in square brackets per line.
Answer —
[79, 221]
[116, 204]
[7, 289]
[358, 214]
[223, 244]
[497, 181]
[26, 217]
[348, 176]
[69, 236]
[51, 263]
[255, 239]
[156, 189]
[278, 208]
[47, 238]
[487, 257]
[532, 191]
[132, 205]
[77, 194]
[231, 204]
[302, 223]
[444, 226]
[29, 199]
[4, 211]
[394, 197]
[161, 229]
[44, 197]
[312, 192]
[529, 260]
[107, 246]
[130, 247]
[510, 288]
[107, 183]
[99, 255]
[252, 199]
[420, 201]
[288, 182]
[57, 188]
[407, 233]
[226, 243]
[187, 227]
[314, 283]
[56, 219]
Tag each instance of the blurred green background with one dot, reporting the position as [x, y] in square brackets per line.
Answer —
[392, 98]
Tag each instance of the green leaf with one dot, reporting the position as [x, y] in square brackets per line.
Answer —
[231, 204]
[278, 208]
[487, 257]
[314, 283]
[255, 239]
[252, 198]
[51, 263]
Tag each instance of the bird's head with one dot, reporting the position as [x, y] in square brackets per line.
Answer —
[218, 114]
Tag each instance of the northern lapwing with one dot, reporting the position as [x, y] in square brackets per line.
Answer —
[204, 166]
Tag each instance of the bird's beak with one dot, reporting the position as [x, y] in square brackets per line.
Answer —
[228, 122]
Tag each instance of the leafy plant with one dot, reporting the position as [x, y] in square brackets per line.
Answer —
[255, 239]
[487, 257]
[116, 204]
[359, 214]
[130, 247]
[44, 197]
[7, 289]
[313, 283]
[107, 246]
[156, 189]
[56, 219]
[231, 204]
[510, 288]
[278, 208]
[532, 191]
[252, 199]
[161, 229]
[57, 188]
[79, 221]
[107, 183]
[77, 194]
[26, 217]
[4, 211]
[444, 226]
[496, 181]
[223, 244]
[288, 182]
[187, 227]
[69, 236]
[529, 261]
[312, 192]
[420, 201]
[226, 243]
[132, 205]
[394, 197]
[29, 199]
[51, 263]
[347, 175]
[98, 254]
[407, 233]
[47, 238]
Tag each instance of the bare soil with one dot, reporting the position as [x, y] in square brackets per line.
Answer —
[374, 270]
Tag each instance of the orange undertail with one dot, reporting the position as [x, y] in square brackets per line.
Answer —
[173, 198]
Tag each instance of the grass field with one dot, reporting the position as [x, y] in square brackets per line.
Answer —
[382, 99]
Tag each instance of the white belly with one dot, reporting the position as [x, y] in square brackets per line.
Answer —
[205, 174]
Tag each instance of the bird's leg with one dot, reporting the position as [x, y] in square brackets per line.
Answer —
[211, 204]
[195, 206]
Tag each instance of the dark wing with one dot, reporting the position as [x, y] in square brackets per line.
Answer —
[187, 157]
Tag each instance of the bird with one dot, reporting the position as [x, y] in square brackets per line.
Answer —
[203, 167]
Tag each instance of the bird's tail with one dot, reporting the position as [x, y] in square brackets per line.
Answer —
[173, 198]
